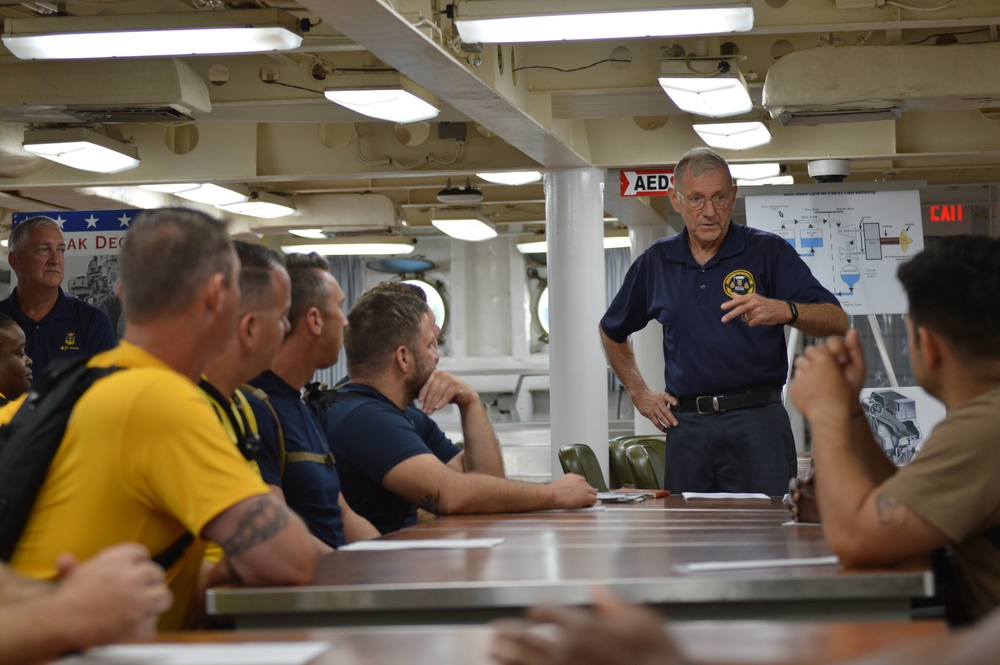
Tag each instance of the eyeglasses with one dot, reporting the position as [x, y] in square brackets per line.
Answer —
[696, 203]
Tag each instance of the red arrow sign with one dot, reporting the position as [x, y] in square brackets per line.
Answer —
[645, 183]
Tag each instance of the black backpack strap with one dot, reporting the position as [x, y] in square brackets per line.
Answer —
[262, 396]
[247, 441]
[172, 554]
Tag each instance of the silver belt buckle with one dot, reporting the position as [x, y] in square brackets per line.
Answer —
[714, 404]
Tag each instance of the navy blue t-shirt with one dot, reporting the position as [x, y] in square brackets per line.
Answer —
[702, 355]
[370, 435]
[72, 329]
[311, 489]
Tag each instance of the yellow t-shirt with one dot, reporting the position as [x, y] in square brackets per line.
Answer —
[144, 458]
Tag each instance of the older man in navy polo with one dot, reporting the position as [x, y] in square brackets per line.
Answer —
[55, 325]
[723, 293]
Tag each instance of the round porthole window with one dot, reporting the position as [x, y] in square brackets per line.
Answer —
[434, 300]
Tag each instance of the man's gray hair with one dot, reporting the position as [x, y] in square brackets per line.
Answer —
[697, 161]
[167, 256]
[19, 236]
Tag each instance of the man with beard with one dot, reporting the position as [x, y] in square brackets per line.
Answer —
[392, 458]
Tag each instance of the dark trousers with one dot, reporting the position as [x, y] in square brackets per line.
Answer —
[746, 450]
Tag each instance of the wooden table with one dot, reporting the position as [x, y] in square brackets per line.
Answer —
[555, 557]
[742, 642]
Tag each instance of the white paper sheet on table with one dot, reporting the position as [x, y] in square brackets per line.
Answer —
[723, 495]
[248, 653]
[439, 544]
[711, 566]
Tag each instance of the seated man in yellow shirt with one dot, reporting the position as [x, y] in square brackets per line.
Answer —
[144, 457]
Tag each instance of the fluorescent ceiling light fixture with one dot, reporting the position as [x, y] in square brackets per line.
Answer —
[538, 244]
[82, 148]
[315, 234]
[734, 135]
[755, 171]
[172, 188]
[511, 177]
[135, 35]
[383, 95]
[216, 195]
[464, 225]
[264, 205]
[362, 245]
[510, 21]
[774, 180]
[714, 88]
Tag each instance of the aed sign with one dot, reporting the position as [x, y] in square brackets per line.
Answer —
[946, 213]
[645, 183]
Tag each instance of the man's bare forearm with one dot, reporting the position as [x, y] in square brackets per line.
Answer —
[821, 319]
[482, 448]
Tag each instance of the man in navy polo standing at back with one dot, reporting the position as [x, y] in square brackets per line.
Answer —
[55, 325]
[723, 293]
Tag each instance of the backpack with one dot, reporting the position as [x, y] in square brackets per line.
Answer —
[284, 457]
[29, 442]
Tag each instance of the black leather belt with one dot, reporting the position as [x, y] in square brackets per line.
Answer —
[743, 399]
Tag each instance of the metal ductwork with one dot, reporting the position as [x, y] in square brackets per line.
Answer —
[101, 91]
[852, 83]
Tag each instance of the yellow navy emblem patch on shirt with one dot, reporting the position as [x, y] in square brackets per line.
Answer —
[739, 283]
[69, 344]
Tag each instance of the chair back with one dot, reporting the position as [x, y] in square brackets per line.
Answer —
[620, 472]
[570, 462]
[591, 467]
[646, 465]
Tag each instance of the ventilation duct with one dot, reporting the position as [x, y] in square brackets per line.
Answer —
[101, 91]
[857, 83]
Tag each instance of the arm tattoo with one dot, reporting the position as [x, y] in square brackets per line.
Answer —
[431, 503]
[262, 521]
[888, 509]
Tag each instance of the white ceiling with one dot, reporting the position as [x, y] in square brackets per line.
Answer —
[269, 126]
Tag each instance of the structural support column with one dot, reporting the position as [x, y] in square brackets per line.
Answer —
[574, 213]
[647, 344]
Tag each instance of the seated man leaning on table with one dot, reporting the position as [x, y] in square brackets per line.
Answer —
[391, 456]
[876, 514]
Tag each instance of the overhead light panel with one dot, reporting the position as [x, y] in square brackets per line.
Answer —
[217, 195]
[359, 245]
[136, 35]
[537, 244]
[384, 95]
[511, 21]
[773, 180]
[714, 88]
[81, 148]
[467, 194]
[733, 135]
[511, 177]
[465, 225]
[755, 171]
[315, 234]
[264, 205]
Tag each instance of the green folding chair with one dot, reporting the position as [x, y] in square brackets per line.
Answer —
[646, 466]
[580, 459]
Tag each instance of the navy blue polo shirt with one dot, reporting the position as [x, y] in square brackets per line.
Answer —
[702, 355]
[72, 329]
[311, 489]
[369, 436]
